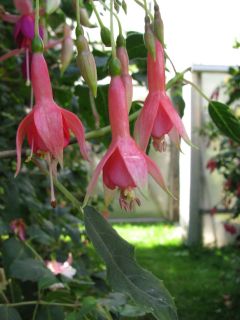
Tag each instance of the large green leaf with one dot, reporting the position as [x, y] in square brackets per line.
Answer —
[9, 314]
[225, 120]
[124, 274]
[32, 270]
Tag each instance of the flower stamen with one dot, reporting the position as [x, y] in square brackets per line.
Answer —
[160, 144]
[128, 199]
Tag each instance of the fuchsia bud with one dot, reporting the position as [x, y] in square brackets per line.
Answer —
[84, 18]
[126, 78]
[67, 49]
[18, 226]
[158, 116]
[52, 5]
[47, 126]
[125, 167]
[149, 38]
[86, 64]
[158, 24]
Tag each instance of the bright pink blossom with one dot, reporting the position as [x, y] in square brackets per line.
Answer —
[125, 166]
[158, 116]
[47, 126]
[18, 226]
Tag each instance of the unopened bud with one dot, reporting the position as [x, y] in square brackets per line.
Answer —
[106, 36]
[88, 70]
[158, 24]
[84, 18]
[149, 38]
[82, 44]
[124, 6]
[67, 49]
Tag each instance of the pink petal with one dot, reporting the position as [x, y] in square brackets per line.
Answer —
[23, 6]
[162, 124]
[174, 116]
[134, 160]
[27, 26]
[116, 173]
[49, 124]
[75, 124]
[10, 54]
[21, 133]
[174, 136]
[145, 121]
[97, 172]
[155, 173]
[11, 18]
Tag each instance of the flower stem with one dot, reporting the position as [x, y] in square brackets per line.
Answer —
[97, 14]
[33, 251]
[143, 6]
[114, 54]
[36, 22]
[78, 13]
[197, 89]
[115, 15]
[41, 302]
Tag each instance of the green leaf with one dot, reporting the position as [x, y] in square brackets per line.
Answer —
[9, 314]
[50, 313]
[135, 45]
[225, 120]
[124, 274]
[32, 270]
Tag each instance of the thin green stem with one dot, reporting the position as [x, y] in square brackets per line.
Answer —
[143, 6]
[35, 311]
[4, 297]
[33, 251]
[78, 13]
[115, 15]
[197, 89]
[36, 22]
[170, 60]
[114, 54]
[41, 302]
[97, 14]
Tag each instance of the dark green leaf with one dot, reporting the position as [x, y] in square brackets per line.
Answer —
[50, 313]
[124, 274]
[9, 314]
[225, 120]
[31, 270]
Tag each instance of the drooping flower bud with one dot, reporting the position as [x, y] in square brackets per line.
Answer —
[124, 6]
[86, 64]
[67, 49]
[84, 18]
[149, 38]
[158, 24]
[106, 36]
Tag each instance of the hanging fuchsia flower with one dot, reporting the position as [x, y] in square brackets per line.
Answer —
[47, 126]
[125, 167]
[158, 116]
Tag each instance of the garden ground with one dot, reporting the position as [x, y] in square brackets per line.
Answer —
[204, 282]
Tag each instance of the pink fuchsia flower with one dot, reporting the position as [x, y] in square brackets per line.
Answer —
[47, 126]
[23, 33]
[64, 268]
[158, 116]
[125, 166]
[211, 165]
[18, 226]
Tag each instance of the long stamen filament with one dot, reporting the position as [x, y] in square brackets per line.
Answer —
[28, 67]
